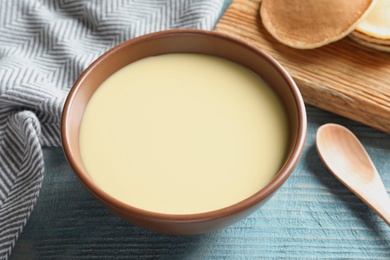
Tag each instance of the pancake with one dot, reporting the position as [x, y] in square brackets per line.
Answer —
[377, 23]
[371, 44]
[368, 38]
[307, 24]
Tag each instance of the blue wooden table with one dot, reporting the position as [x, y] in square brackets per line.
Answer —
[312, 216]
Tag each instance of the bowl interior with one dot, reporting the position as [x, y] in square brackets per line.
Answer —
[189, 41]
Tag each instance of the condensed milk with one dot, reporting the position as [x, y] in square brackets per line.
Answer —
[183, 133]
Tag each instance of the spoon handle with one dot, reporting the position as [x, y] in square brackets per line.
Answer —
[375, 196]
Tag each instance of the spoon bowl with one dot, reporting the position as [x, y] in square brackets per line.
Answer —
[346, 158]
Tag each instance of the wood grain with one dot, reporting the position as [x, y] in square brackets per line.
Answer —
[342, 77]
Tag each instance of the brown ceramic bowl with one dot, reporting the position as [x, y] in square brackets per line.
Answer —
[193, 41]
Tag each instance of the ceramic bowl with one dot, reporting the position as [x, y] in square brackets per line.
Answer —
[178, 41]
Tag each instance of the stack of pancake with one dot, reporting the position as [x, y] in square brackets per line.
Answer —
[308, 24]
[374, 30]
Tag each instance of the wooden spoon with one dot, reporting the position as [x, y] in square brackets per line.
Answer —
[347, 159]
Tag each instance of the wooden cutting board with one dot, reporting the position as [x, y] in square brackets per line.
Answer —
[342, 77]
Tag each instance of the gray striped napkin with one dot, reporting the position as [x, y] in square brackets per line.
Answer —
[44, 46]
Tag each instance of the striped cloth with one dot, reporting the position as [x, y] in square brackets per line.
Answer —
[44, 46]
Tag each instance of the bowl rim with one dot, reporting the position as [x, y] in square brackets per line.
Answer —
[282, 175]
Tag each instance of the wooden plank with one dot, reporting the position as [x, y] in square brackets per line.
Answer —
[342, 77]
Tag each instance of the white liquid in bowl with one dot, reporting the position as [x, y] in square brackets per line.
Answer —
[183, 133]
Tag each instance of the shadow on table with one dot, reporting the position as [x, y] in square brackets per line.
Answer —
[356, 212]
[68, 223]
